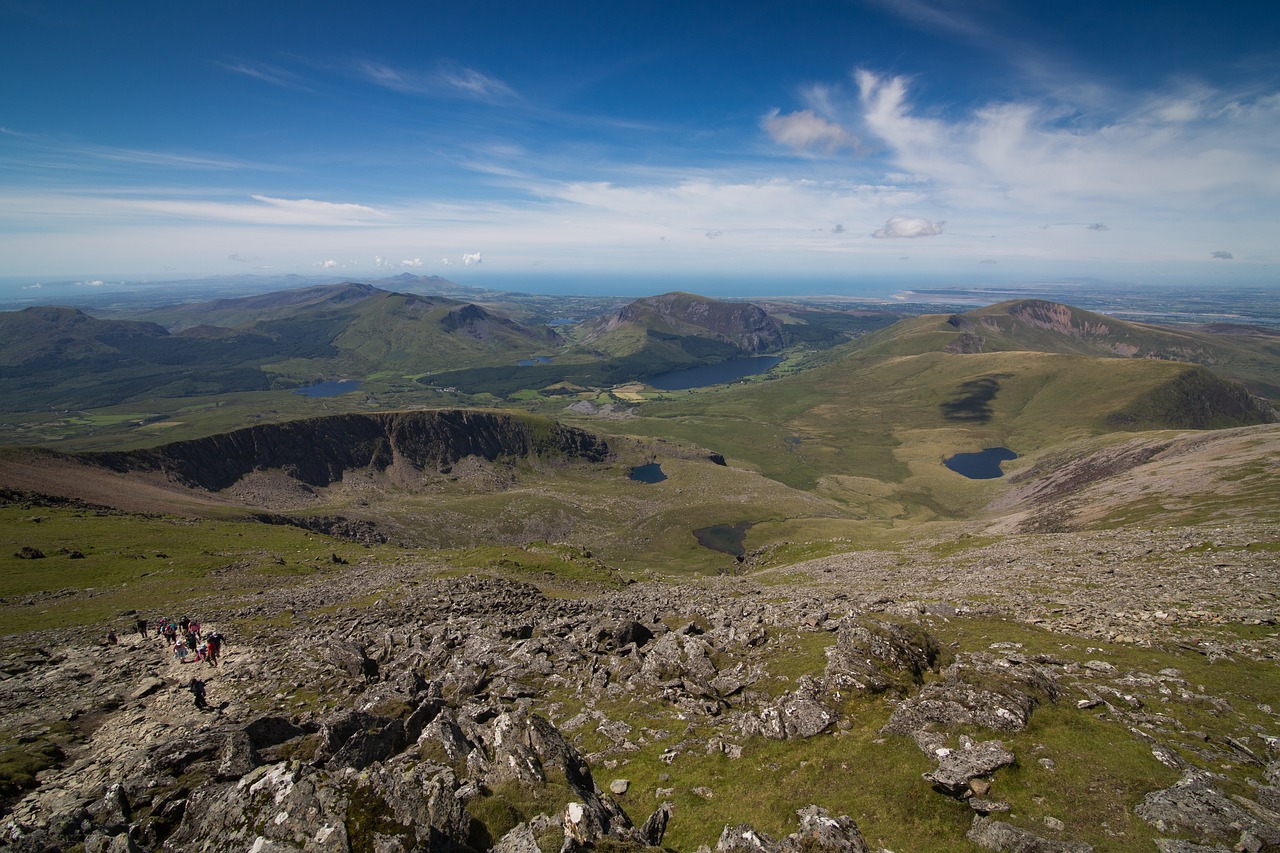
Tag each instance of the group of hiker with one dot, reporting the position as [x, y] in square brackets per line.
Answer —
[186, 638]
[188, 641]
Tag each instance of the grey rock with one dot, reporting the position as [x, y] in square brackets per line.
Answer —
[821, 833]
[1175, 845]
[872, 656]
[655, 827]
[998, 835]
[1195, 805]
[743, 838]
[146, 688]
[957, 766]
[237, 756]
[519, 840]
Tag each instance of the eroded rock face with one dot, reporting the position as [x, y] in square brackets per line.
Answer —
[317, 451]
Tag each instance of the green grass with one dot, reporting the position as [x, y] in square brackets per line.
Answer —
[142, 563]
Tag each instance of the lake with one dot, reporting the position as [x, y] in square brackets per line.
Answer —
[713, 374]
[651, 473]
[725, 538]
[329, 389]
[984, 465]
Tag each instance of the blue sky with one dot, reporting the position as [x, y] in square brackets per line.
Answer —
[482, 140]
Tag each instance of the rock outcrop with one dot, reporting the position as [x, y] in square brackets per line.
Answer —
[318, 451]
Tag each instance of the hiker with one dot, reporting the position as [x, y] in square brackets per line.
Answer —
[141, 625]
[197, 690]
[180, 652]
[112, 639]
[184, 623]
[213, 647]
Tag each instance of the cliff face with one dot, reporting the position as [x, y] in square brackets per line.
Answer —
[317, 451]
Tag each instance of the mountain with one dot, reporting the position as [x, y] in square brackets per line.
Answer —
[65, 358]
[62, 357]
[684, 324]
[246, 310]
[1036, 325]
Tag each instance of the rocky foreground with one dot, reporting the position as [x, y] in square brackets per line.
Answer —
[402, 709]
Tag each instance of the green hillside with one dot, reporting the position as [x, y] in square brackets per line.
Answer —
[1251, 357]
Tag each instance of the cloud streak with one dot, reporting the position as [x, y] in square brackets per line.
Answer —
[448, 80]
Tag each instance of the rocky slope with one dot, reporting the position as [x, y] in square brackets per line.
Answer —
[477, 712]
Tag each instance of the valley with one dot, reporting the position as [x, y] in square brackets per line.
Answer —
[501, 592]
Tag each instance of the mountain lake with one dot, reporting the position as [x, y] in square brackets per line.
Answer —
[725, 538]
[713, 374]
[651, 473]
[983, 465]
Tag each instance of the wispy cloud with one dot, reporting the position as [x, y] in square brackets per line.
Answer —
[272, 74]
[446, 80]
[44, 151]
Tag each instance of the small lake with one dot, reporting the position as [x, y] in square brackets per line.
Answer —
[713, 374]
[651, 473]
[984, 465]
[530, 362]
[725, 538]
[330, 389]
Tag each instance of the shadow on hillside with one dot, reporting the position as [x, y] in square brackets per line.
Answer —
[973, 405]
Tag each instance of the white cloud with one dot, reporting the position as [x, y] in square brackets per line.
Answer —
[806, 131]
[446, 262]
[327, 265]
[1206, 148]
[1222, 256]
[413, 262]
[471, 259]
[906, 226]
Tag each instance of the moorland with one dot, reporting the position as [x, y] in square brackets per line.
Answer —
[473, 563]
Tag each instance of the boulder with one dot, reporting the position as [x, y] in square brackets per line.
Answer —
[872, 656]
[998, 835]
[956, 767]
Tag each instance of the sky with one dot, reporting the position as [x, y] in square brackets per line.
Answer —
[483, 141]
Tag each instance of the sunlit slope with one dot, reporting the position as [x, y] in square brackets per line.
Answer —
[872, 432]
[1157, 478]
[1033, 325]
